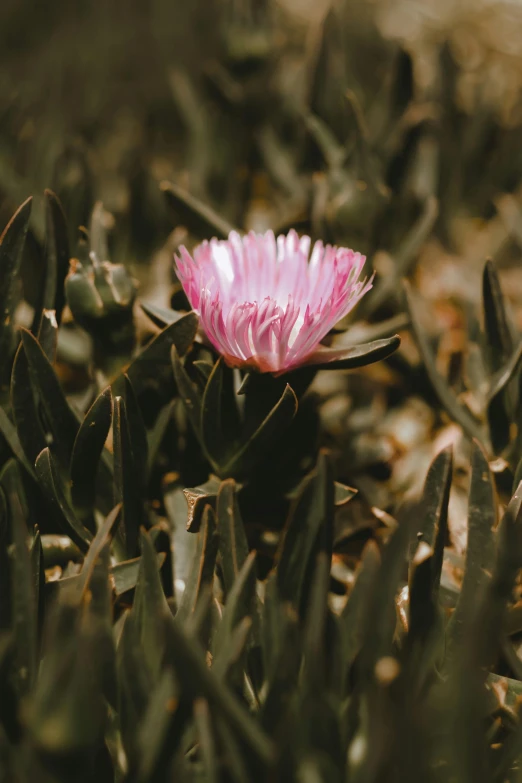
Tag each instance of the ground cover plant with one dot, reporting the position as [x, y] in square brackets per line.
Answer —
[260, 510]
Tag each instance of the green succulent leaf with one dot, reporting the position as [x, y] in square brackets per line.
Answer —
[508, 755]
[100, 611]
[66, 714]
[220, 424]
[308, 529]
[137, 432]
[314, 653]
[157, 433]
[160, 316]
[198, 681]
[8, 430]
[183, 542]
[267, 433]
[157, 741]
[199, 218]
[207, 743]
[204, 369]
[12, 243]
[25, 413]
[37, 573]
[52, 292]
[48, 334]
[125, 574]
[62, 421]
[233, 544]
[155, 357]
[6, 602]
[354, 356]
[201, 573]
[343, 494]
[380, 620]
[197, 498]
[134, 685]
[281, 642]
[517, 477]
[95, 550]
[129, 482]
[499, 342]
[85, 459]
[57, 255]
[188, 393]
[24, 608]
[499, 410]
[150, 609]
[50, 482]
[431, 533]
[240, 604]
[480, 552]
[446, 396]
[353, 617]
[508, 562]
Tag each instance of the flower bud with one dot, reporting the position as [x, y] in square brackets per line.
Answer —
[101, 298]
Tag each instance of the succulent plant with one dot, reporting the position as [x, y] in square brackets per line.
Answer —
[101, 298]
[158, 651]
[225, 563]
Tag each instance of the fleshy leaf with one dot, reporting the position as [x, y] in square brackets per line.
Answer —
[8, 430]
[499, 345]
[57, 255]
[199, 218]
[310, 519]
[160, 316]
[431, 532]
[52, 291]
[65, 516]
[150, 608]
[157, 742]
[343, 494]
[446, 396]
[48, 334]
[353, 616]
[12, 243]
[128, 482]
[203, 564]
[62, 421]
[187, 392]
[380, 617]
[197, 498]
[24, 609]
[85, 460]
[354, 356]
[265, 436]
[480, 551]
[25, 413]
[155, 357]
[220, 425]
[240, 604]
[233, 544]
[199, 681]
[98, 543]
[498, 410]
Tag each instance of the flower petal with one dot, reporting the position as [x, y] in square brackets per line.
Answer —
[264, 302]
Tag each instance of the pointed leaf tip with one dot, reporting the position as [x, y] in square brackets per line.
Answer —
[354, 356]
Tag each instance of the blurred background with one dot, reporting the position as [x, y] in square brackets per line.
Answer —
[340, 117]
[391, 126]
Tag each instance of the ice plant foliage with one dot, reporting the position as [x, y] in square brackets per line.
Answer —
[267, 303]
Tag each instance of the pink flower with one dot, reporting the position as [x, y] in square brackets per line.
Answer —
[262, 302]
